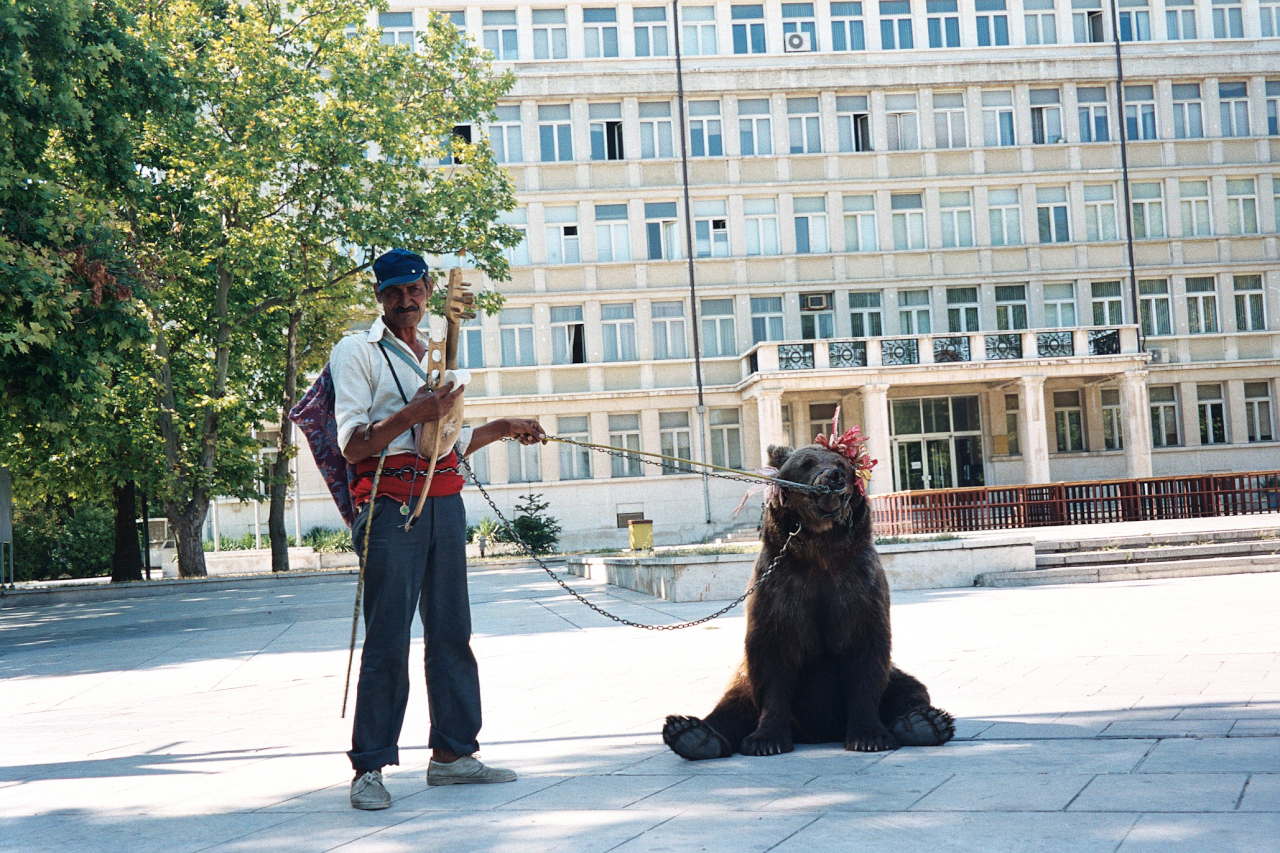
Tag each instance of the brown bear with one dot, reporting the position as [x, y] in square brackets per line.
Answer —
[817, 666]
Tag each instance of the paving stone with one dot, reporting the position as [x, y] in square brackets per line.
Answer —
[1162, 792]
[1261, 793]
[1004, 792]
[1219, 833]
[1214, 755]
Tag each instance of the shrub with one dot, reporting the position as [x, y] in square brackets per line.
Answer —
[77, 541]
[535, 527]
[327, 540]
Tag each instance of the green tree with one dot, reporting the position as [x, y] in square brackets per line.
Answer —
[535, 527]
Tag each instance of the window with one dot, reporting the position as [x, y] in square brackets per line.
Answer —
[1135, 20]
[1269, 12]
[1273, 103]
[1051, 214]
[1154, 310]
[895, 25]
[811, 224]
[718, 338]
[471, 344]
[859, 223]
[1228, 19]
[673, 431]
[575, 461]
[1164, 416]
[913, 313]
[948, 120]
[1112, 433]
[957, 218]
[1046, 117]
[668, 330]
[755, 132]
[1140, 112]
[804, 126]
[550, 37]
[498, 30]
[900, 122]
[1257, 411]
[1099, 212]
[962, 309]
[817, 323]
[1011, 423]
[1068, 421]
[600, 32]
[1202, 305]
[1087, 21]
[1212, 412]
[908, 220]
[562, 234]
[748, 28]
[1188, 120]
[944, 23]
[997, 118]
[1011, 307]
[613, 235]
[479, 459]
[847, 31]
[618, 328]
[1196, 220]
[1093, 114]
[555, 133]
[524, 463]
[726, 438]
[698, 30]
[704, 129]
[1041, 26]
[624, 434]
[1108, 309]
[397, 28]
[516, 332]
[864, 314]
[651, 30]
[568, 338]
[1180, 19]
[1148, 210]
[1250, 312]
[655, 130]
[606, 131]
[663, 243]
[766, 319]
[452, 151]
[1005, 217]
[1060, 305]
[798, 18]
[517, 255]
[710, 229]
[1233, 101]
[504, 135]
[993, 23]
[760, 220]
[1242, 206]
[853, 124]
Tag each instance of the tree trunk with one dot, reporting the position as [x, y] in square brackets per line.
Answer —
[126, 562]
[284, 453]
[188, 532]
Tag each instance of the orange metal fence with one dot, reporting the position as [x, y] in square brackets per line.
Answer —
[1096, 502]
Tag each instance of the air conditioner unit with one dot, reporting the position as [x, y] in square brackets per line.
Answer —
[815, 302]
[796, 43]
[1159, 355]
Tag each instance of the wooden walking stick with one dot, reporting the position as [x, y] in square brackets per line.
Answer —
[364, 560]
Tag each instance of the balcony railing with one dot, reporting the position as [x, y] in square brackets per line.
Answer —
[950, 348]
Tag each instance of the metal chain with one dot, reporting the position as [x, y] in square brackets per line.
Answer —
[515, 537]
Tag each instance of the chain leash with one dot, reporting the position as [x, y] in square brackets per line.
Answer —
[515, 537]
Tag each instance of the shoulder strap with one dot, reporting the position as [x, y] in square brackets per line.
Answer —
[403, 356]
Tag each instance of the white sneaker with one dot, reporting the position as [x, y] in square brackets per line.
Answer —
[467, 770]
[368, 792]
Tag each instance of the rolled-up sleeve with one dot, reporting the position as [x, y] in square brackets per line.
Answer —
[352, 386]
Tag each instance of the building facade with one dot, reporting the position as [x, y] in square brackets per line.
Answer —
[917, 211]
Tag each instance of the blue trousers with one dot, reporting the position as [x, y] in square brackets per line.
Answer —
[424, 569]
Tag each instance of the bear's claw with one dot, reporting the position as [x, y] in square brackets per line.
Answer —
[924, 725]
[755, 744]
[693, 739]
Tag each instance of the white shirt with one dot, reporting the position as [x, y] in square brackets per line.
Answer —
[365, 390]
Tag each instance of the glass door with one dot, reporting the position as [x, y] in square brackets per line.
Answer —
[939, 450]
[910, 468]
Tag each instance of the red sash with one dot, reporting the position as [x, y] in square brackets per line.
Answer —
[404, 475]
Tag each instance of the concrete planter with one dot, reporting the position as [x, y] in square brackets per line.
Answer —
[258, 561]
[723, 577]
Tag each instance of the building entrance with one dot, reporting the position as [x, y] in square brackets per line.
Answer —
[937, 443]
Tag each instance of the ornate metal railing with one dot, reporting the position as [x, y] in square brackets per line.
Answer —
[795, 356]
[1003, 346]
[1054, 344]
[950, 349]
[847, 353]
[900, 351]
[1104, 342]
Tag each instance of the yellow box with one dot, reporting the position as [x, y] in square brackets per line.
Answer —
[640, 531]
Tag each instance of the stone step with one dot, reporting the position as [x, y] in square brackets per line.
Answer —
[1203, 537]
[1156, 553]
[1133, 571]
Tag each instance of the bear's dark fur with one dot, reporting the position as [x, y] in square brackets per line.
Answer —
[817, 666]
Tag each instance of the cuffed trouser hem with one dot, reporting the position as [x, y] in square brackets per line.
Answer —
[363, 762]
[457, 747]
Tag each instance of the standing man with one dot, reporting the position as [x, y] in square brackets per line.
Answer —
[380, 403]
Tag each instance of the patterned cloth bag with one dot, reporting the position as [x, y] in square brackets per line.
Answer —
[314, 416]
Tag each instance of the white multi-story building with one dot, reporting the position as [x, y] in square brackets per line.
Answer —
[914, 210]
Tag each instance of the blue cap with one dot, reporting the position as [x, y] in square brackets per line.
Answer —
[398, 266]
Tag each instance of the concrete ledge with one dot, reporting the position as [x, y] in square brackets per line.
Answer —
[105, 591]
[1133, 571]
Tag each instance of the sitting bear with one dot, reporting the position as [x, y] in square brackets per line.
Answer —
[817, 666]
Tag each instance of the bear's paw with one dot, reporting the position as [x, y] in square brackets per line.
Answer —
[691, 738]
[924, 725]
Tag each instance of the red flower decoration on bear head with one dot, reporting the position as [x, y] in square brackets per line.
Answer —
[852, 445]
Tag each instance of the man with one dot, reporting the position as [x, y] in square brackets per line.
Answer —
[380, 403]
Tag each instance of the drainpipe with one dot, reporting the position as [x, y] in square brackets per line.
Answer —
[1124, 171]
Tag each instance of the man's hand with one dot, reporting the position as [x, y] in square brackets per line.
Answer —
[427, 405]
[525, 431]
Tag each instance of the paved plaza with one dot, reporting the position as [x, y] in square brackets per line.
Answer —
[1125, 717]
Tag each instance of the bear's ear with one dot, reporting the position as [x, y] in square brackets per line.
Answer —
[778, 455]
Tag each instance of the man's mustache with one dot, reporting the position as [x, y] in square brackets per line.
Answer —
[410, 310]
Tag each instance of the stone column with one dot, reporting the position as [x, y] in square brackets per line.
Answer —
[1033, 429]
[875, 426]
[1135, 423]
[769, 414]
